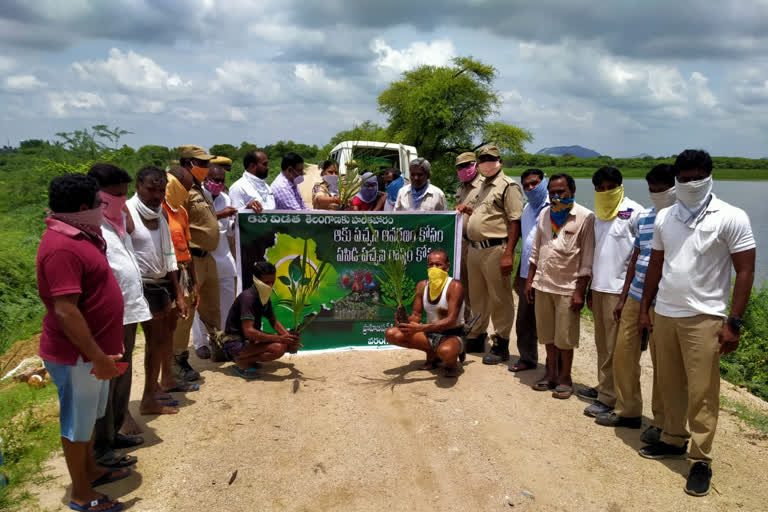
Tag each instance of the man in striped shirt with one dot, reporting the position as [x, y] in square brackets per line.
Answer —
[629, 344]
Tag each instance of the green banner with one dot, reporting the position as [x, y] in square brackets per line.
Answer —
[339, 274]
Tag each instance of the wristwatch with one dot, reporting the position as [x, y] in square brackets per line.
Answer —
[736, 323]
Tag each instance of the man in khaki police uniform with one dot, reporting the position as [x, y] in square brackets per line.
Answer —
[466, 168]
[204, 228]
[493, 227]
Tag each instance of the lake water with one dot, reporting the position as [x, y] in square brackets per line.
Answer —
[743, 194]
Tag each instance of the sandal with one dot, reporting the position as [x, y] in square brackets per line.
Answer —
[115, 460]
[126, 441]
[95, 504]
[249, 374]
[109, 476]
[562, 391]
[184, 388]
[521, 366]
[544, 385]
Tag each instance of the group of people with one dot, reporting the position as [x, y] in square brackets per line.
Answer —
[163, 259]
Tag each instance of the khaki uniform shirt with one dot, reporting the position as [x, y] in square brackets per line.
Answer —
[463, 193]
[321, 188]
[496, 202]
[202, 220]
[562, 260]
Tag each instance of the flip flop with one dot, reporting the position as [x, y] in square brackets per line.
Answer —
[108, 477]
[249, 374]
[95, 503]
[562, 392]
[115, 460]
[521, 366]
[544, 385]
[126, 441]
[184, 388]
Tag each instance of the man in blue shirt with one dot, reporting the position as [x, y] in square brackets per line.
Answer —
[626, 358]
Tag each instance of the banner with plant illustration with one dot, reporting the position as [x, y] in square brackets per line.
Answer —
[343, 276]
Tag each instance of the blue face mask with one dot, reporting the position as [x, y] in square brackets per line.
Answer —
[538, 196]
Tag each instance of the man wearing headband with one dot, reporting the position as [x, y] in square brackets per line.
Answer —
[243, 342]
[325, 193]
[629, 343]
[441, 298]
[559, 271]
[615, 232]
[535, 190]
[695, 243]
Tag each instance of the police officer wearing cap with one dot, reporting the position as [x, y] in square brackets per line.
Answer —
[494, 208]
[466, 168]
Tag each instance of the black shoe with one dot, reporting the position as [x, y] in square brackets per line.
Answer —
[651, 435]
[474, 345]
[611, 419]
[499, 351]
[588, 394]
[597, 409]
[662, 450]
[203, 352]
[698, 479]
[182, 368]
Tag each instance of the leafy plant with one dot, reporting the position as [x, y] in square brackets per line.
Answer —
[302, 282]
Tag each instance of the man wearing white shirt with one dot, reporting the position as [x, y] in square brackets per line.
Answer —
[251, 190]
[695, 243]
[615, 232]
[225, 262]
[420, 194]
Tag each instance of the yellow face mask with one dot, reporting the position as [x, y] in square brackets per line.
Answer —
[199, 173]
[437, 279]
[175, 193]
[607, 203]
[265, 291]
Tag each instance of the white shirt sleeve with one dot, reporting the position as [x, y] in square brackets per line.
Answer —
[737, 232]
[442, 204]
[399, 206]
[236, 195]
[657, 244]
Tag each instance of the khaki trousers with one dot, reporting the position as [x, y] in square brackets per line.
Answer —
[208, 308]
[606, 331]
[556, 323]
[464, 279]
[689, 373]
[626, 367]
[490, 292]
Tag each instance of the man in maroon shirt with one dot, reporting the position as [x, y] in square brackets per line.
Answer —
[82, 329]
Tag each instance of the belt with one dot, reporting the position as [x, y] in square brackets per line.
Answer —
[484, 244]
[198, 253]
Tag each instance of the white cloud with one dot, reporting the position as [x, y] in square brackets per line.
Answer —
[312, 78]
[23, 83]
[62, 104]
[131, 71]
[390, 61]
[751, 87]
[254, 82]
[6, 63]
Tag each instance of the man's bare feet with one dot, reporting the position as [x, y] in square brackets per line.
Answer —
[155, 407]
[130, 427]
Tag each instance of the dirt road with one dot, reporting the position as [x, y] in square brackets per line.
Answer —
[359, 431]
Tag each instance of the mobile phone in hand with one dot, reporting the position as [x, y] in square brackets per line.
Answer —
[644, 341]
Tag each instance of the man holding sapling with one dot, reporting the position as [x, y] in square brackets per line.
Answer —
[243, 341]
[441, 297]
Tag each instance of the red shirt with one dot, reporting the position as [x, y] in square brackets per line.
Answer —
[69, 263]
[362, 205]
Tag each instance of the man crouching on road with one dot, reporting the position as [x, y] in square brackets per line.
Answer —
[243, 341]
[441, 297]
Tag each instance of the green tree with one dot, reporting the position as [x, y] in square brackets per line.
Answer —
[227, 150]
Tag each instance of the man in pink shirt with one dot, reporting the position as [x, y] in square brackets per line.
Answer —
[82, 334]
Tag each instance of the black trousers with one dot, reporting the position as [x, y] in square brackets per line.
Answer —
[525, 326]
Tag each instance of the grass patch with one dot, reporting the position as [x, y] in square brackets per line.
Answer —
[755, 419]
[29, 427]
[638, 173]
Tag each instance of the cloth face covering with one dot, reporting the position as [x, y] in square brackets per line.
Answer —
[418, 195]
[537, 197]
[166, 246]
[437, 279]
[333, 183]
[393, 188]
[175, 193]
[489, 169]
[214, 188]
[694, 196]
[265, 291]
[370, 189]
[112, 207]
[664, 199]
[199, 173]
[607, 203]
[559, 211]
[87, 221]
[468, 173]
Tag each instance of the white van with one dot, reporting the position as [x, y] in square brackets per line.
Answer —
[390, 154]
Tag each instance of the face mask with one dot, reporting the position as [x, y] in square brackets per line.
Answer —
[489, 169]
[214, 188]
[112, 207]
[265, 291]
[558, 212]
[607, 203]
[437, 279]
[298, 180]
[468, 173]
[175, 193]
[694, 193]
[664, 199]
[199, 173]
[537, 196]
[92, 217]
[333, 183]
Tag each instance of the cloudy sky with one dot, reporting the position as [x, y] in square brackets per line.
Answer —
[622, 77]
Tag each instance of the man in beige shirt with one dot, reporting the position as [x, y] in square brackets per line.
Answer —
[561, 267]
[494, 208]
[466, 168]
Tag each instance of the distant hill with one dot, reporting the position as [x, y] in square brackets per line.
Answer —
[577, 151]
